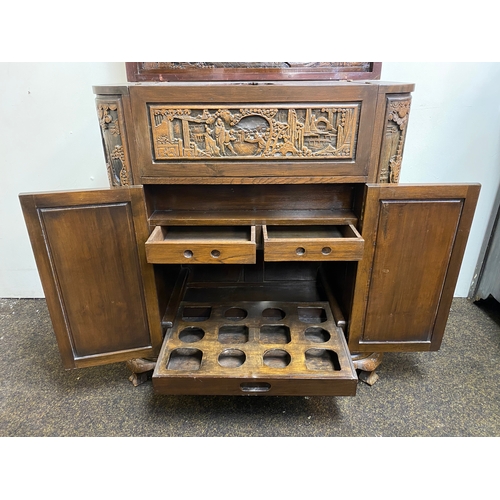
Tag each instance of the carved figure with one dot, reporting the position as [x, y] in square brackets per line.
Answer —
[223, 137]
[210, 144]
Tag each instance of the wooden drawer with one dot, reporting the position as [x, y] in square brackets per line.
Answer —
[201, 245]
[255, 348]
[312, 243]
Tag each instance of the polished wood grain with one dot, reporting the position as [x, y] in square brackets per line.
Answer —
[101, 294]
[255, 180]
[415, 240]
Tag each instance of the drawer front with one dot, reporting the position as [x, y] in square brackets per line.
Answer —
[201, 245]
[255, 348]
[312, 243]
[247, 131]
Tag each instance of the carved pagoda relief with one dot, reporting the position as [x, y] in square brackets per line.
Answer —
[391, 158]
[111, 121]
[260, 132]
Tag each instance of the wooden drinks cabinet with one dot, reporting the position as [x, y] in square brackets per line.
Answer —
[254, 240]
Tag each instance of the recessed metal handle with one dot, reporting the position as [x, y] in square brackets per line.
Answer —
[255, 387]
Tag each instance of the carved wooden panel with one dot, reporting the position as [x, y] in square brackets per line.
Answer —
[270, 132]
[178, 71]
[391, 157]
[110, 113]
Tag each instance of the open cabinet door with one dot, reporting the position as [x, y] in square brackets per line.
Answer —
[100, 291]
[415, 238]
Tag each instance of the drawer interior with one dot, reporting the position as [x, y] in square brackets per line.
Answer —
[312, 232]
[202, 234]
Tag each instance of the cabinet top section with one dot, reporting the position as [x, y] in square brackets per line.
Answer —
[253, 132]
[385, 87]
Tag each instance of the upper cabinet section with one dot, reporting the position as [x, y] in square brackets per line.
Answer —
[267, 132]
[254, 71]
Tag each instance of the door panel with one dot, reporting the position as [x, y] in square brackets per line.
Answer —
[89, 248]
[406, 280]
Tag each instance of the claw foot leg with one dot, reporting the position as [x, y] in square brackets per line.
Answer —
[366, 364]
[141, 369]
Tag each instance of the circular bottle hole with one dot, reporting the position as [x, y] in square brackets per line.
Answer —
[326, 250]
[232, 358]
[235, 314]
[191, 334]
[188, 254]
[300, 251]
[215, 254]
[317, 334]
[273, 314]
[277, 358]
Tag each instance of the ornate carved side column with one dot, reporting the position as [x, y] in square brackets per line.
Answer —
[113, 133]
[396, 121]
[397, 113]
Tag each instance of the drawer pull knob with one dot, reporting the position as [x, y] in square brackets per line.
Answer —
[215, 254]
[255, 387]
[326, 250]
[300, 251]
[188, 254]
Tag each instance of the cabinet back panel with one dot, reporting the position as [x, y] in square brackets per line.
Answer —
[250, 197]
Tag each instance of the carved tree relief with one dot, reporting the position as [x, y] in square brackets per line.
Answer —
[254, 132]
[397, 115]
[111, 120]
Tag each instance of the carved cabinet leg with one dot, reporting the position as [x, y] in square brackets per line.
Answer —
[368, 377]
[366, 364]
[142, 370]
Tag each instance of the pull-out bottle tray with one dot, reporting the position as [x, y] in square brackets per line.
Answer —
[255, 348]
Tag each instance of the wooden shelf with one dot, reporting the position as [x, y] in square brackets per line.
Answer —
[251, 217]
